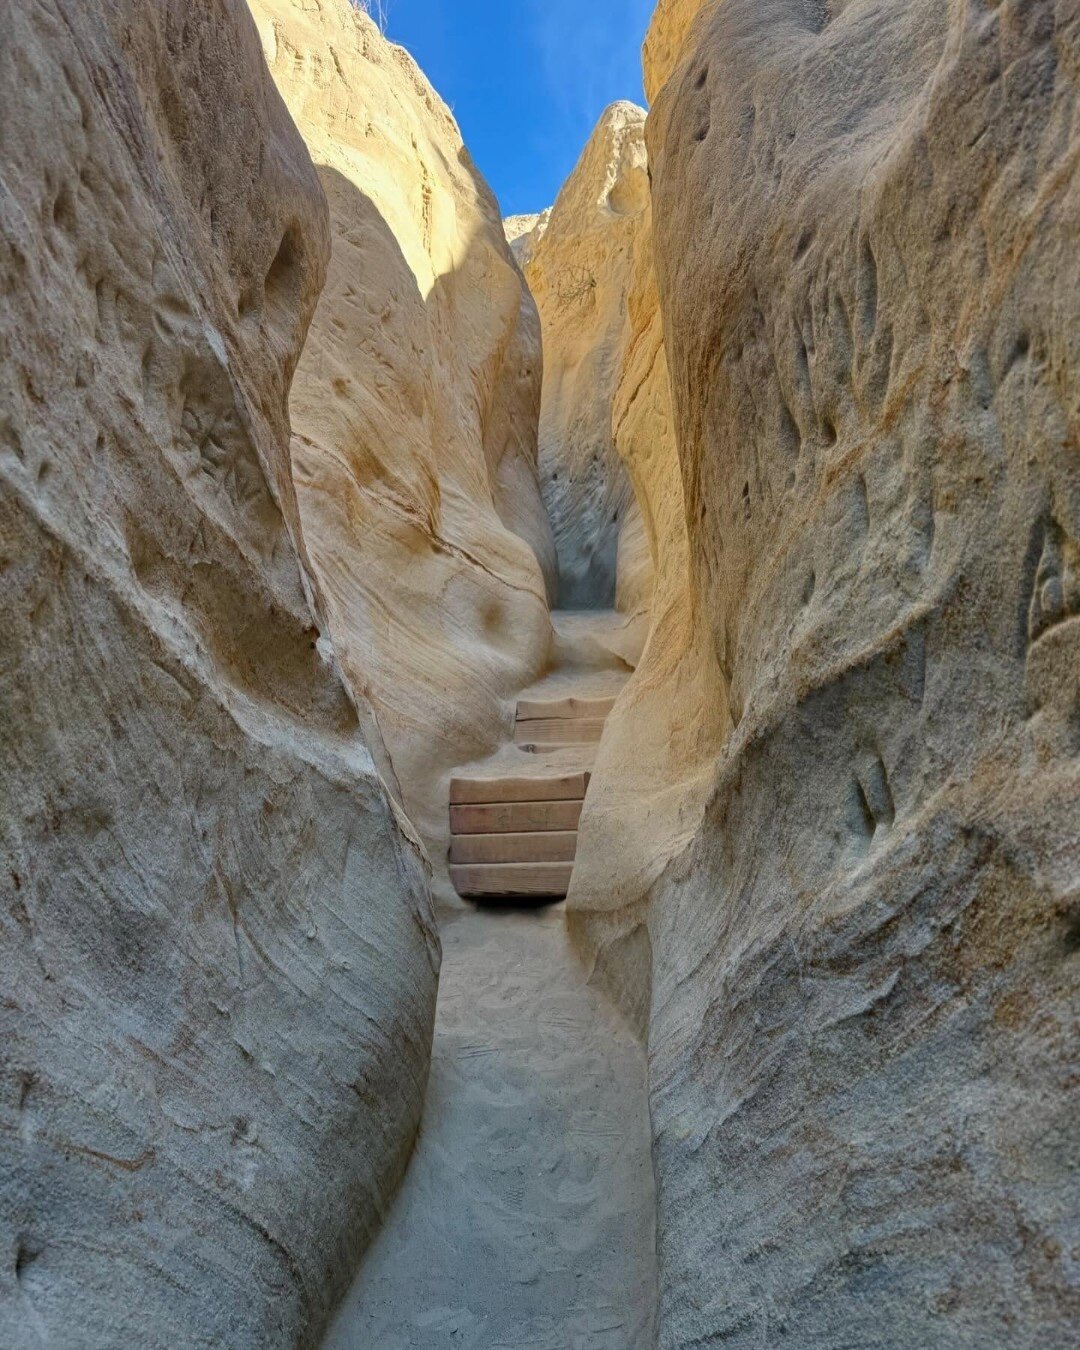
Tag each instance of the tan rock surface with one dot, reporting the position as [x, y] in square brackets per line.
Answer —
[863, 970]
[523, 233]
[217, 949]
[414, 410]
[664, 41]
[579, 274]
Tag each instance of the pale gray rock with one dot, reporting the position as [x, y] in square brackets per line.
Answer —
[217, 953]
[862, 1022]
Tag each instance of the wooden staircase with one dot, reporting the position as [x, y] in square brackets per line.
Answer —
[514, 835]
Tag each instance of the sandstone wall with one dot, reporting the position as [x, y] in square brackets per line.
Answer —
[579, 272]
[663, 43]
[523, 233]
[655, 763]
[414, 411]
[863, 968]
[217, 953]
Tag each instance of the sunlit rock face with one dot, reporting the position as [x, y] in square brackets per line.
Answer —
[523, 233]
[216, 943]
[607, 388]
[859, 978]
[414, 411]
[663, 44]
[579, 270]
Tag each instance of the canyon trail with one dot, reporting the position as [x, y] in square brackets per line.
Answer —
[302, 449]
[527, 1217]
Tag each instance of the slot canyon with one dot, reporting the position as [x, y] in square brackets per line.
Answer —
[540, 756]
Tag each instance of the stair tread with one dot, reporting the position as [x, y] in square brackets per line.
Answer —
[569, 707]
[511, 879]
[530, 846]
[559, 730]
[494, 788]
[514, 817]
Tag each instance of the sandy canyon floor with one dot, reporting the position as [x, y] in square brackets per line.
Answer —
[527, 1216]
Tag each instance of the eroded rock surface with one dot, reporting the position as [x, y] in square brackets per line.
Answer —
[860, 978]
[217, 950]
[663, 43]
[414, 410]
[579, 272]
[523, 233]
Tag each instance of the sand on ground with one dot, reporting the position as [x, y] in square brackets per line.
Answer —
[527, 1218]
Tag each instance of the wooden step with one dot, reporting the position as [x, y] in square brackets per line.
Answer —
[512, 879]
[529, 708]
[539, 846]
[558, 730]
[556, 787]
[550, 748]
[514, 817]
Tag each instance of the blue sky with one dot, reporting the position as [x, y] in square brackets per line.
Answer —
[526, 79]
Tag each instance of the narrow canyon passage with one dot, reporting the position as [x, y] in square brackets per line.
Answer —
[527, 1215]
[390, 963]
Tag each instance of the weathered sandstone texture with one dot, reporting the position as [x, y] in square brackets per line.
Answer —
[523, 233]
[217, 955]
[860, 977]
[578, 270]
[668, 31]
[414, 411]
